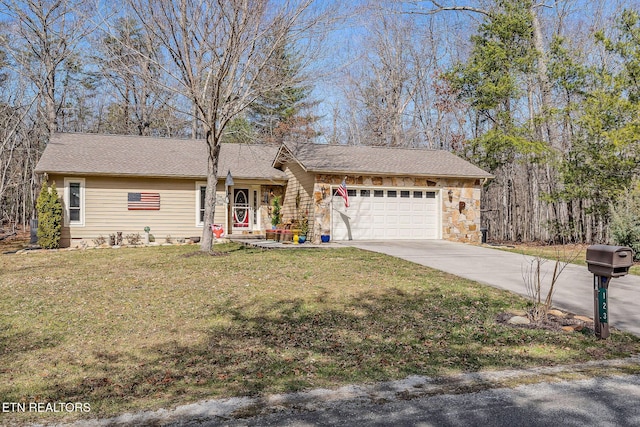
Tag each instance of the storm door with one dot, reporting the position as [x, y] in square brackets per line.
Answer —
[241, 209]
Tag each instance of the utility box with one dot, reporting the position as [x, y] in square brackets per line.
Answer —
[609, 261]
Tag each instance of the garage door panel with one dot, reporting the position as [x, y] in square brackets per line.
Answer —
[411, 214]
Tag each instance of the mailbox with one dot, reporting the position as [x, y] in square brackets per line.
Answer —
[609, 261]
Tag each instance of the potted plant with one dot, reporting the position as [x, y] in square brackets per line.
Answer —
[303, 225]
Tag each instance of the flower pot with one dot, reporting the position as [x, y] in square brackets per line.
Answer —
[325, 238]
[302, 239]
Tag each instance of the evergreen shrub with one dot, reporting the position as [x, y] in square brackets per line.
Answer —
[49, 210]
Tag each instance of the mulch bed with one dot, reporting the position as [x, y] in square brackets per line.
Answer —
[567, 322]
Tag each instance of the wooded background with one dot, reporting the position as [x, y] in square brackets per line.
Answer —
[545, 96]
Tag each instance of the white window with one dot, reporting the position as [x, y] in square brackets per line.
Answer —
[201, 189]
[74, 202]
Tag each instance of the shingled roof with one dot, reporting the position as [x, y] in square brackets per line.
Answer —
[339, 159]
[123, 155]
[94, 154]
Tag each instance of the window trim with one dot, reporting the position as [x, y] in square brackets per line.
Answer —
[67, 202]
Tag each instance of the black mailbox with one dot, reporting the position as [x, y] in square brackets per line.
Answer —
[609, 261]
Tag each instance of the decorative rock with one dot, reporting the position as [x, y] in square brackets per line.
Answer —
[518, 320]
[583, 318]
[518, 313]
[556, 313]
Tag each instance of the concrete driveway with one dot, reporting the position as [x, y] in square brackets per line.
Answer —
[505, 270]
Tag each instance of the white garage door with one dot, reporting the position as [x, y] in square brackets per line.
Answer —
[386, 214]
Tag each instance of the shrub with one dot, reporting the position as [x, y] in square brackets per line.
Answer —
[49, 210]
[275, 212]
[133, 238]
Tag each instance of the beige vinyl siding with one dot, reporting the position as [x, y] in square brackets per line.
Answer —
[105, 204]
[302, 182]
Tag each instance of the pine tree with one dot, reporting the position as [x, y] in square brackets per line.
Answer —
[490, 82]
[279, 113]
[602, 162]
[49, 210]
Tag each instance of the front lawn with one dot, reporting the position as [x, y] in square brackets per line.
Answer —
[131, 329]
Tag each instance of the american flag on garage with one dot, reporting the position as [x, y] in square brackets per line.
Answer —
[143, 201]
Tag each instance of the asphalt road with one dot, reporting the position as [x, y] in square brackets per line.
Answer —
[596, 402]
[505, 270]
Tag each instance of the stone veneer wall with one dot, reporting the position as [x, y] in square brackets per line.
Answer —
[459, 222]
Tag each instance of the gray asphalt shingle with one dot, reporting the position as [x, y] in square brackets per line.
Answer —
[159, 157]
[383, 161]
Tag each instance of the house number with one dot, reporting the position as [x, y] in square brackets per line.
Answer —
[602, 303]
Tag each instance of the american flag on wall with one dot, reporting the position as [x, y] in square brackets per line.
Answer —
[342, 190]
[143, 201]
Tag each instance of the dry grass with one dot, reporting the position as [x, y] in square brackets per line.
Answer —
[573, 253]
[145, 328]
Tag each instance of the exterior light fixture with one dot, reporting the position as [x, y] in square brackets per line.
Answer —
[450, 193]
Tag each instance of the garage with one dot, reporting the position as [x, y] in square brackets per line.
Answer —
[386, 213]
[394, 193]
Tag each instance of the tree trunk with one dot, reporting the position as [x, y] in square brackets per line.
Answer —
[213, 143]
[545, 85]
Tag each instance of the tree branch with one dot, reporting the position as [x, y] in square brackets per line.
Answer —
[440, 8]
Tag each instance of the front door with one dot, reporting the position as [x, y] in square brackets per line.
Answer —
[242, 209]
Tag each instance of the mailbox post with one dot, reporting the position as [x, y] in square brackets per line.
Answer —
[601, 306]
[606, 262]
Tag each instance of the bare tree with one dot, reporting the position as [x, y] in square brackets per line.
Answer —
[45, 34]
[389, 86]
[127, 61]
[216, 60]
